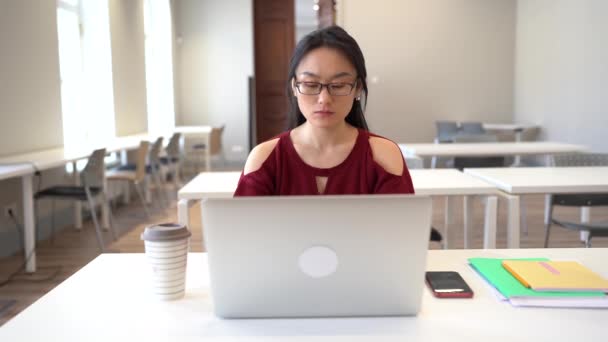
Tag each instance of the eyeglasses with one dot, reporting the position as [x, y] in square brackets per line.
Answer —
[334, 89]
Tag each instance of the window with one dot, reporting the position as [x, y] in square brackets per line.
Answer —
[86, 73]
[85, 64]
[159, 66]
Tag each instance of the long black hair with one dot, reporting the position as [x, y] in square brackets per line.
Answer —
[337, 38]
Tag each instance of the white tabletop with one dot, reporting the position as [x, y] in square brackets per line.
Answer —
[210, 185]
[489, 149]
[110, 299]
[426, 182]
[47, 159]
[15, 170]
[528, 180]
[448, 182]
[193, 129]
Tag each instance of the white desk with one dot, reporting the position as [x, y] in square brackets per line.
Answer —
[444, 182]
[15, 170]
[39, 161]
[109, 299]
[489, 149]
[539, 180]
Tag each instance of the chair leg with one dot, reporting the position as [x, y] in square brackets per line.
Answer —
[95, 221]
[36, 218]
[112, 228]
[548, 215]
[177, 169]
[141, 197]
[161, 190]
[588, 240]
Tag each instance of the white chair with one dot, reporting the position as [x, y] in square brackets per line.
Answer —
[92, 179]
[196, 149]
[136, 176]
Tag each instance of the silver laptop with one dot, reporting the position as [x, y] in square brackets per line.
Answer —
[317, 256]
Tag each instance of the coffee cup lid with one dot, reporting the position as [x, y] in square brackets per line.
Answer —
[165, 232]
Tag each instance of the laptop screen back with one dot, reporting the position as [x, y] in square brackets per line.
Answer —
[317, 256]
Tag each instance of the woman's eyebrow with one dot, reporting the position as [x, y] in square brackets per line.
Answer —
[308, 73]
[341, 74]
[338, 75]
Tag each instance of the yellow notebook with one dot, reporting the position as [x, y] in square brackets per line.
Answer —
[555, 275]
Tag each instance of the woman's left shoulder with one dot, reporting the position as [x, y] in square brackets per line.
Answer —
[387, 154]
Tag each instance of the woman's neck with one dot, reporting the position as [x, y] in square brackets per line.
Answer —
[325, 138]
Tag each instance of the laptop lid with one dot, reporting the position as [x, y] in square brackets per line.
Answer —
[317, 256]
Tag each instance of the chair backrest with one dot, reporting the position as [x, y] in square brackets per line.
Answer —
[446, 130]
[154, 155]
[475, 138]
[472, 127]
[581, 159]
[215, 139]
[140, 162]
[94, 172]
[172, 149]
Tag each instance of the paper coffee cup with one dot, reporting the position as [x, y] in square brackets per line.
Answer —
[167, 247]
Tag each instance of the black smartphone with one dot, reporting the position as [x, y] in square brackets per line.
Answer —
[448, 284]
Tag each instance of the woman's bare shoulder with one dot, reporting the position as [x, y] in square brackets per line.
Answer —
[258, 155]
[387, 154]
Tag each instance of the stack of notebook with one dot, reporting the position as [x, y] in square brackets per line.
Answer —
[541, 282]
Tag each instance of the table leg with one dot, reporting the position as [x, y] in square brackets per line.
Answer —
[29, 232]
[517, 158]
[585, 218]
[77, 205]
[183, 215]
[513, 220]
[489, 224]
[448, 218]
[524, 215]
[467, 203]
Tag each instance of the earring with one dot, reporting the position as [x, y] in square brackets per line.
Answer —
[358, 98]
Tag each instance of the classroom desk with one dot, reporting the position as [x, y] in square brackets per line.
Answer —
[438, 182]
[514, 182]
[110, 299]
[489, 149]
[40, 161]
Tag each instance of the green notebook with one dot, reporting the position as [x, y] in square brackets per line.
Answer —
[493, 271]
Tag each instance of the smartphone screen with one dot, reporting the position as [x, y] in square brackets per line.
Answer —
[448, 284]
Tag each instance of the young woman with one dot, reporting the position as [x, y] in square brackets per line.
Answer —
[329, 150]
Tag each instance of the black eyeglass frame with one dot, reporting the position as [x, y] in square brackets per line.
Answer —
[328, 86]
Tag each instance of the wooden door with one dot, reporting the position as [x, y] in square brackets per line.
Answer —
[274, 40]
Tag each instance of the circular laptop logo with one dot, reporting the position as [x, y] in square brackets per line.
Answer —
[318, 261]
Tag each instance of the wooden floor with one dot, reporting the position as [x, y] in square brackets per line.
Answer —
[72, 249]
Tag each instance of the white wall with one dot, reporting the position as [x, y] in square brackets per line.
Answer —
[30, 88]
[128, 66]
[434, 60]
[214, 59]
[562, 69]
